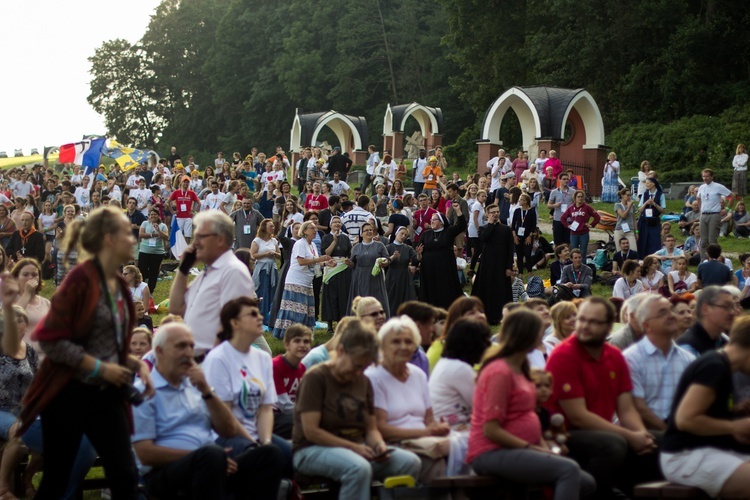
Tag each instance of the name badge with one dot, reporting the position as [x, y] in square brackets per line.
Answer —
[247, 229]
[152, 242]
[430, 177]
[574, 226]
[183, 207]
[625, 228]
[649, 212]
[521, 230]
[563, 207]
[418, 231]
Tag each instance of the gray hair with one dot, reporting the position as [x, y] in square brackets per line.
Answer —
[398, 324]
[220, 223]
[643, 310]
[632, 303]
[709, 295]
[162, 334]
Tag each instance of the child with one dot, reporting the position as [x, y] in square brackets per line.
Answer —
[543, 382]
[142, 319]
[287, 372]
[140, 343]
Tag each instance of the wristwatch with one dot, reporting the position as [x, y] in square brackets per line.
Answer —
[208, 395]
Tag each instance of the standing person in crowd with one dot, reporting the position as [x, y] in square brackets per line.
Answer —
[493, 281]
[591, 384]
[28, 272]
[265, 250]
[46, 224]
[337, 162]
[422, 217]
[417, 168]
[335, 429]
[298, 301]
[224, 278]
[579, 218]
[656, 362]
[716, 311]
[174, 432]
[653, 203]
[26, 241]
[432, 173]
[477, 220]
[354, 219]
[372, 161]
[523, 224]
[437, 287]
[710, 195]
[368, 260]
[86, 337]
[184, 203]
[453, 198]
[154, 239]
[560, 199]
[739, 178]
[286, 246]
[247, 221]
[399, 280]
[337, 280]
[506, 436]
[625, 227]
[7, 226]
[611, 180]
[554, 162]
[577, 276]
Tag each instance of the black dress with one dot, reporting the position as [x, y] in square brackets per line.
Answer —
[336, 292]
[439, 284]
[491, 285]
[398, 280]
[286, 245]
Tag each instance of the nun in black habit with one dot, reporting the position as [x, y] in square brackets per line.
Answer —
[439, 284]
[493, 280]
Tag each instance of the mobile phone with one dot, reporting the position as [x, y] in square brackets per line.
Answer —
[387, 451]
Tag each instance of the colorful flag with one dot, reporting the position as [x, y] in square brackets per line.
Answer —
[127, 158]
[86, 153]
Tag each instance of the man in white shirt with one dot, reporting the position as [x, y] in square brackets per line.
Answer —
[142, 196]
[23, 188]
[354, 219]
[224, 278]
[338, 186]
[540, 161]
[133, 179]
[372, 161]
[213, 199]
[418, 168]
[709, 197]
[498, 165]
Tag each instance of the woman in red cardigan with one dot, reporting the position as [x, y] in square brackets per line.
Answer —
[579, 218]
[80, 387]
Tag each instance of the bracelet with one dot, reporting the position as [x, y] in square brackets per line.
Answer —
[95, 373]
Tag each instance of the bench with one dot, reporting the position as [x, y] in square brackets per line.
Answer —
[665, 489]
[481, 487]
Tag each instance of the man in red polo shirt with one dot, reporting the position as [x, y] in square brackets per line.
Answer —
[591, 386]
[184, 203]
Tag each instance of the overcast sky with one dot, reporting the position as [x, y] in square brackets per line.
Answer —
[44, 56]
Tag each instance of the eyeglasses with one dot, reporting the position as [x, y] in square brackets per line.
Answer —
[726, 307]
[595, 322]
[197, 236]
[252, 314]
[376, 313]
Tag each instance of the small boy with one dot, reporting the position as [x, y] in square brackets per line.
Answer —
[287, 372]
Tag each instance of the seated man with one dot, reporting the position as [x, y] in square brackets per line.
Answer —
[631, 332]
[716, 311]
[656, 362]
[26, 241]
[667, 254]
[690, 219]
[592, 385]
[625, 253]
[711, 271]
[577, 276]
[173, 439]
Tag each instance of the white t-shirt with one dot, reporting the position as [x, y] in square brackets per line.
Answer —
[133, 180]
[82, 196]
[143, 196]
[691, 278]
[22, 189]
[339, 187]
[473, 228]
[213, 201]
[710, 196]
[301, 275]
[243, 378]
[652, 285]
[624, 291]
[266, 177]
[451, 386]
[406, 402]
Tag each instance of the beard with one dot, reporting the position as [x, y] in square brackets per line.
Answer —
[593, 341]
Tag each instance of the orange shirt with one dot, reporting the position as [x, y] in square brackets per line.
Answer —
[431, 175]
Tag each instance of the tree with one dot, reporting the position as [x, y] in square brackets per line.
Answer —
[124, 89]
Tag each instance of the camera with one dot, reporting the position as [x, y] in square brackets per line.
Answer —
[131, 394]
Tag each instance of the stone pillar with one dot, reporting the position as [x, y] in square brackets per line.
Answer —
[485, 151]
[595, 158]
[294, 159]
[397, 148]
[548, 144]
[434, 141]
[359, 157]
[387, 144]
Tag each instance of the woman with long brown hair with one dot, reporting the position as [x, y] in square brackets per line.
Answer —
[461, 308]
[505, 439]
[80, 386]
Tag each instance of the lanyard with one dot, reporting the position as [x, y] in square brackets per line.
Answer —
[523, 216]
[577, 276]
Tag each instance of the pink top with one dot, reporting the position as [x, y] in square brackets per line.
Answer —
[555, 164]
[508, 397]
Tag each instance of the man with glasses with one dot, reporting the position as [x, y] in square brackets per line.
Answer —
[559, 200]
[709, 197]
[656, 362]
[225, 278]
[717, 308]
[592, 385]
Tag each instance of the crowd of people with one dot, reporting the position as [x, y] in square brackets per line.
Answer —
[584, 395]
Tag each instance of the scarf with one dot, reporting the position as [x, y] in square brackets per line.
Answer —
[25, 237]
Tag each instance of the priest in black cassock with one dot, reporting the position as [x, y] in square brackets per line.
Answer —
[493, 281]
[26, 241]
[439, 285]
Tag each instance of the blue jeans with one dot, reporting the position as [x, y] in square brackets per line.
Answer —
[580, 241]
[84, 460]
[353, 471]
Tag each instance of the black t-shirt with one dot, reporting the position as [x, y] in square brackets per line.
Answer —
[711, 370]
[629, 255]
[398, 220]
[50, 195]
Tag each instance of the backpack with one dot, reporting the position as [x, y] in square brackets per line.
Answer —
[559, 294]
[535, 287]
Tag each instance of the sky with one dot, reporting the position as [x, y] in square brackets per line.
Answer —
[44, 55]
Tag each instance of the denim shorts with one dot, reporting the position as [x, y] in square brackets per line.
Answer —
[7, 419]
